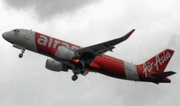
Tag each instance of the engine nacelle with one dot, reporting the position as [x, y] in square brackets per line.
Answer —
[54, 65]
[64, 53]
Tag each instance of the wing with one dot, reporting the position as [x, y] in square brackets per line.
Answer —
[98, 49]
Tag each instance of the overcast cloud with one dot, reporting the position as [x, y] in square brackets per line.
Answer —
[26, 82]
[46, 9]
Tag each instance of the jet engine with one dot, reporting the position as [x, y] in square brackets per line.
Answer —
[64, 53]
[55, 66]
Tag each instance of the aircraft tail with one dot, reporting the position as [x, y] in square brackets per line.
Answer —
[154, 67]
[159, 62]
[161, 75]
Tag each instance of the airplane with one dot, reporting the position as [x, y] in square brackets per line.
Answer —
[82, 60]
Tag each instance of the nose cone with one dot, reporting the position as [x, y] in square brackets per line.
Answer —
[8, 36]
[5, 35]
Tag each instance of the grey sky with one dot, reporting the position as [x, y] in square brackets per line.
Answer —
[46, 9]
[26, 82]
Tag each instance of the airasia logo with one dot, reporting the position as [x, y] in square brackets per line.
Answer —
[53, 43]
[158, 62]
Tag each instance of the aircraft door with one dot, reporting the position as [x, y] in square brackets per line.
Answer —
[28, 34]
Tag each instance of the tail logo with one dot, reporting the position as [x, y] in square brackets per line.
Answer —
[149, 66]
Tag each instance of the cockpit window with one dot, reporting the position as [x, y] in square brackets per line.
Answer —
[16, 32]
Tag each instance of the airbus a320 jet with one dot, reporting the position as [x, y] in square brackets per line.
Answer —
[81, 60]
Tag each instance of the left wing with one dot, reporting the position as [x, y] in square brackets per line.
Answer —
[98, 49]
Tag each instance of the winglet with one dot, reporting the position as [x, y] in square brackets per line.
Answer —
[129, 34]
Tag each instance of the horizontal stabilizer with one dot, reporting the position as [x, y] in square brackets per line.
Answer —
[161, 75]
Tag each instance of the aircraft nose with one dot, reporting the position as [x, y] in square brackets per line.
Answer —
[8, 36]
[5, 35]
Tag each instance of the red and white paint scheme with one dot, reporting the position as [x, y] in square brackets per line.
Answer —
[82, 60]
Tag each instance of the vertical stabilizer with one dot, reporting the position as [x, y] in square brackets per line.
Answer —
[158, 63]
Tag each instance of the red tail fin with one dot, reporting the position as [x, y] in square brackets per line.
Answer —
[158, 63]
